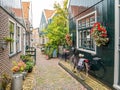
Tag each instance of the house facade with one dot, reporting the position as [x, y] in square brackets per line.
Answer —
[82, 16]
[35, 37]
[27, 15]
[11, 26]
[46, 18]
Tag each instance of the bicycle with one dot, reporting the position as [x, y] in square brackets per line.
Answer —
[81, 66]
[85, 66]
[96, 67]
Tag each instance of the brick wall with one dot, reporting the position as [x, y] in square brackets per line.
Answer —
[5, 63]
[5, 60]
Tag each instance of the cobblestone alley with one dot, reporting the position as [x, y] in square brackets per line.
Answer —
[50, 76]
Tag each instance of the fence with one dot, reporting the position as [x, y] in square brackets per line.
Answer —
[32, 52]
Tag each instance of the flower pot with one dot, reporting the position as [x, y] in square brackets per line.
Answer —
[47, 57]
[30, 69]
[17, 82]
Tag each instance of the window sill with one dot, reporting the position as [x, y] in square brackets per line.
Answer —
[88, 51]
[13, 54]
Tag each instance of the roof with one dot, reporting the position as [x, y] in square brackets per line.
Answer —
[26, 6]
[48, 13]
[17, 11]
[75, 10]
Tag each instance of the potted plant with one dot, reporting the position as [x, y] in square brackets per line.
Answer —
[26, 58]
[5, 80]
[29, 66]
[68, 39]
[18, 67]
[99, 34]
[8, 39]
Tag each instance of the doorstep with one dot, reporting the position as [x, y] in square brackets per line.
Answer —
[90, 83]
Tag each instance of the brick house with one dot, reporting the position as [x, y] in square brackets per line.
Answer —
[82, 16]
[11, 25]
[27, 15]
[46, 18]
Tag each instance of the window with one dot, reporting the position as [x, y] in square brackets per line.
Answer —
[11, 28]
[84, 40]
[18, 38]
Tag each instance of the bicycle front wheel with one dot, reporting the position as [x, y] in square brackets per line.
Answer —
[83, 73]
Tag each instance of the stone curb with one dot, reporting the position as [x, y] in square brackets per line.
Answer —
[76, 77]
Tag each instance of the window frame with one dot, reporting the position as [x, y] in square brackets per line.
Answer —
[77, 32]
[19, 44]
[14, 46]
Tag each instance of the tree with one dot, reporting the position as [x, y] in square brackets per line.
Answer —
[58, 28]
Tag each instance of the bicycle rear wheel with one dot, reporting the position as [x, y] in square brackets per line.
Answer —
[101, 71]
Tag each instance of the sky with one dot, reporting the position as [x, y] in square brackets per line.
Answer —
[38, 6]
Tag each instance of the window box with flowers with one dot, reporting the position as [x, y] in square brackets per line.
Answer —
[99, 34]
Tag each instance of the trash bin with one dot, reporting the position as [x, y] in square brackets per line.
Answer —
[17, 82]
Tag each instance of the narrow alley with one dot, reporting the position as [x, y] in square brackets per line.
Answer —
[50, 76]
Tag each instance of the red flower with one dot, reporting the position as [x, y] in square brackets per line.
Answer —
[97, 24]
[104, 35]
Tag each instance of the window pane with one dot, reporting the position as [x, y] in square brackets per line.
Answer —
[92, 20]
[80, 39]
[87, 22]
[83, 23]
[18, 39]
[84, 35]
[88, 39]
[11, 28]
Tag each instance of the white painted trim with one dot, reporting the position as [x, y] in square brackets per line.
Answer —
[45, 17]
[20, 38]
[24, 38]
[14, 51]
[85, 50]
[116, 86]
[94, 12]
[116, 52]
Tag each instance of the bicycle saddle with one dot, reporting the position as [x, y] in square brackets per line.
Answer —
[96, 58]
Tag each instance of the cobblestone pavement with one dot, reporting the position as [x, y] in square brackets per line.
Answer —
[50, 76]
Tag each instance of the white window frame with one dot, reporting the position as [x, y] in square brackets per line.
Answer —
[19, 38]
[77, 33]
[24, 39]
[14, 51]
[116, 52]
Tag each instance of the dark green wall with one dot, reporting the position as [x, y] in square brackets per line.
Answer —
[105, 15]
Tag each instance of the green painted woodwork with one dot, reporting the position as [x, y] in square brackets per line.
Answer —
[105, 15]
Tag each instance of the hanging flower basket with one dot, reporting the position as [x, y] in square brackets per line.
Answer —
[99, 34]
[68, 39]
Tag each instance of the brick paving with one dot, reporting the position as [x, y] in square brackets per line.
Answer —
[50, 76]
